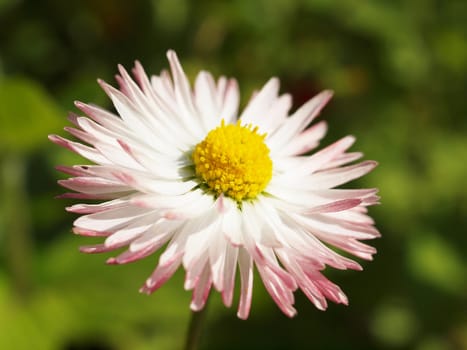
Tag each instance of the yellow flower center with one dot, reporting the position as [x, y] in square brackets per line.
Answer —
[233, 160]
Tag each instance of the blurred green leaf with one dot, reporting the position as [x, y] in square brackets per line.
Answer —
[394, 325]
[434, 260]
[27, 115]
[434, 343]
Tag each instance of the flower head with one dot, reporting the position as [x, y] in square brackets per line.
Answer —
[177, 168]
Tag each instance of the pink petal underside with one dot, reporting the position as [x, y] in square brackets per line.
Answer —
[75, 170]
[327, 288]
[93, 185]
[100, 248]
[128, 256]
[278, 282]
[98, 171]
[265, 258]
[320, 223]
[281, 295]
[369, 231]
[134, 92]
[305, 141]
[90, 233]
[343, 204]
[108, 120]
[307, 285]
[194, 271]
[98, 132]
[105, 247]
[142, 78]
[85, 196]
[162, 273]
[302, 243]
[201, 290]
[95, 208]
[338, 193]
[82, 135]
[348, 244]
[84, 151]
[169, 262]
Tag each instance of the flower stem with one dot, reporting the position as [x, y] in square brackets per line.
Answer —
[194, 329]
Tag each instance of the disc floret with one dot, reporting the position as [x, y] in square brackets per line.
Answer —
[233, 160]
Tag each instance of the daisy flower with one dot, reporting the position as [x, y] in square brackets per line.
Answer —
[178, 168]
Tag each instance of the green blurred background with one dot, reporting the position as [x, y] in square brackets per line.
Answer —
[399, 72]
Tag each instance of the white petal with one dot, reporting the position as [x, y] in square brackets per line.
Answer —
[297, 122]
[245, 264]
[184, 97]
[200, 238]
[230, 268]
[230, 98]
[131, 231]
[260, 103]
[335, 177]
[111, 219]
[217, 256]
[206, 101]
[231, 223]
[161, 231]
[305, 141]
